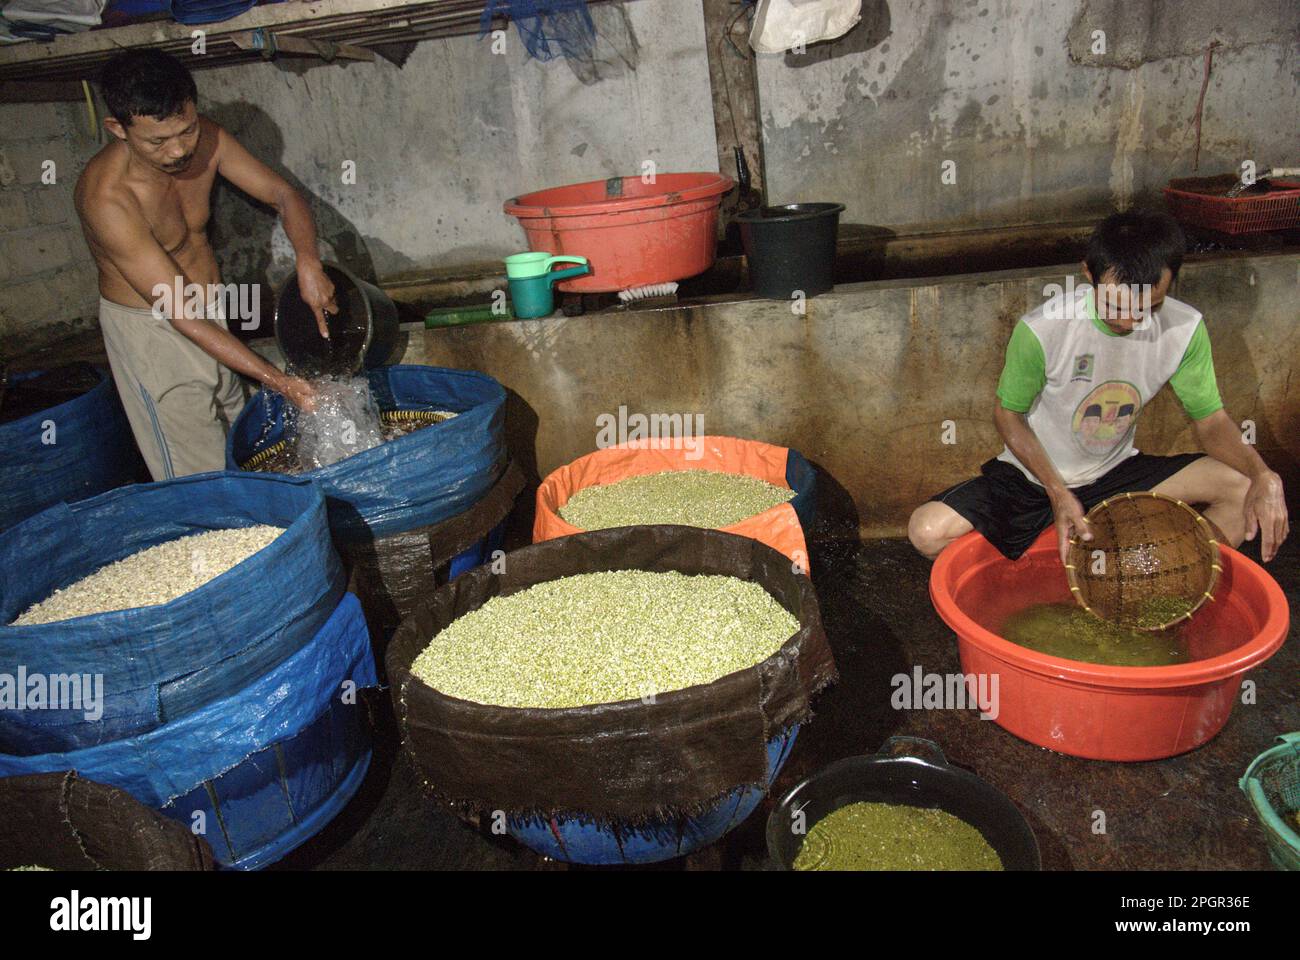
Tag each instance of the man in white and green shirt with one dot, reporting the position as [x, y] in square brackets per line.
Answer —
[1076, 378]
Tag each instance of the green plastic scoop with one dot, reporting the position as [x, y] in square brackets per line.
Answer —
[531, 280]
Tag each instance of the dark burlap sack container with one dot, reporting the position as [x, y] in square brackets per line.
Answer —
[626, 762]
[390, 574]
[60, 821]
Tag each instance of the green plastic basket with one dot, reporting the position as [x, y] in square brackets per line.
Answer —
[1272, 784]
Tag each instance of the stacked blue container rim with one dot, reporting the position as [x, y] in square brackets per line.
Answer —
[444, 469]
[70, 451]
[386, 504]
[234, 706]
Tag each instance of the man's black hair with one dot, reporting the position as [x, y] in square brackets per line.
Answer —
[1136, 246]
[146, 83]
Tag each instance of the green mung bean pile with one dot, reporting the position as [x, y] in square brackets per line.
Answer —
[888, 836]
[693, 498]
[1155, 612]
[604, 637]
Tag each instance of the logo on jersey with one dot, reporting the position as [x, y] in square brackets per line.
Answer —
[1106, 417]
[1083, 366]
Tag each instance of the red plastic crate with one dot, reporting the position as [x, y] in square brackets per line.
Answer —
[1200, 202]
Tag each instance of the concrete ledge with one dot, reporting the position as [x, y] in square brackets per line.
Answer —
[862, 383]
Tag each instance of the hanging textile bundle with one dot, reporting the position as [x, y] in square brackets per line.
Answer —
[549, 28]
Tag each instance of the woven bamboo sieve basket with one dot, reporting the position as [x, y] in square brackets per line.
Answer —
[1152, 562]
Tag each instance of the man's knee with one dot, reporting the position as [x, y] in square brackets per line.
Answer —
[928, 528]
[1226, 485]
[1235, 485]
[1208, 483]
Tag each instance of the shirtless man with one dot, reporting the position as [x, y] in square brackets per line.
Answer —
[144, 206]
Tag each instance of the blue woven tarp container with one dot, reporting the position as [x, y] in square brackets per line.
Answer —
[594, 842]
[803, 481]
[135, 8]
[477, 553]
[92, 451]
[266, 767]
[413, 481]
[208, 11]
[157, 664]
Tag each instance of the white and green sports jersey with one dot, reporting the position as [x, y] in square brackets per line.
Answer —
[1082, 386]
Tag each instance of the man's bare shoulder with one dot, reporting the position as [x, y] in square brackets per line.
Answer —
[102, 184]
[214, 134]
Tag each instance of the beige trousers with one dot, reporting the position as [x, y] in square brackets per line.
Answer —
[180, 402]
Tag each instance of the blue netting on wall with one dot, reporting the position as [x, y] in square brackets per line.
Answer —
[549, 28]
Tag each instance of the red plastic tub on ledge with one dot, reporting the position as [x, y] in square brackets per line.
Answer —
[1092, 710]
[633, 233]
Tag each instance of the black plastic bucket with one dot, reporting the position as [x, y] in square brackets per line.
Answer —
[362, 333]
[791, 248]
[910, 780]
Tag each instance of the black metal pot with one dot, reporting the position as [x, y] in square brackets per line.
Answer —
[887, 777]
[362, 333]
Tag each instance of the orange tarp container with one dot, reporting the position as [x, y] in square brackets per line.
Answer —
[778, 527]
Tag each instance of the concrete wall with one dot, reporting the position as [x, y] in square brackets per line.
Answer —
[438, 145]
[48, 282]
[1040, 128]
[862, 383]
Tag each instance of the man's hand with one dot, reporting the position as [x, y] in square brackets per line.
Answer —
[1265, 512]
[298, 392]
[317, 292]
[1066, 508]
[1070, 520]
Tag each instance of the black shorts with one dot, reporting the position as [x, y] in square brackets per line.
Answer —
[1011, 511]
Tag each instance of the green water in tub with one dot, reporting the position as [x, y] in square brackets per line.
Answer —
[1067, 630]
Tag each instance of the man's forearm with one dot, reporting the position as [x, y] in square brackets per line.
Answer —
[1220, 438]
[215, 341]
[226, 348]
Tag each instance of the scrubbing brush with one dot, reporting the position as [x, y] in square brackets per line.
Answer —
[653, 291]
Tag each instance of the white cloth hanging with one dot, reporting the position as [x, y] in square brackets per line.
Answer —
[73, 15]
[781, 25]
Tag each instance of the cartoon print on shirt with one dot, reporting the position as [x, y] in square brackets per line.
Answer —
[1106, 416]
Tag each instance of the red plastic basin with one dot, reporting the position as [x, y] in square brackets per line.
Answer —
[1093, 710]
[633, 233]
